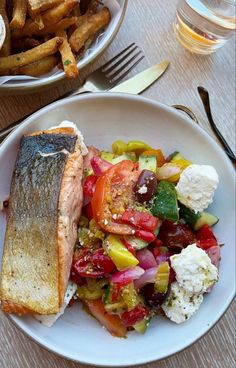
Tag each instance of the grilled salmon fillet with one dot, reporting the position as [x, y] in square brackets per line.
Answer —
[44, 209]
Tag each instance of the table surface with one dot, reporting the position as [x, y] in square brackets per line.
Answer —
[178, 86]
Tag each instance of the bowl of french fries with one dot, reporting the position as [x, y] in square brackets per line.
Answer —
[45, 41]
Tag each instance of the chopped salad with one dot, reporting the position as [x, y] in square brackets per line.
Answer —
[145, 242]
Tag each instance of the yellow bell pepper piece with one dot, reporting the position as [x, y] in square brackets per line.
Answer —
[162, 277]
[180, 161]
[137, 146]
[119, 147]
[119, 253]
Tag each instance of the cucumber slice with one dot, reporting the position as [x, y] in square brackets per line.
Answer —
[206, 219]
[108, 156]
[188, 215]
[148, 163]
[165, 202]
[197, 220]
[125, 156]
[141, 326]
[136, 243]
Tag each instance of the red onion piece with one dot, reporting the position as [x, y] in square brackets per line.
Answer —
[99, 165]
[127, 275]
[146, 259]
[214, 255]
[162, 258]
[148, 277]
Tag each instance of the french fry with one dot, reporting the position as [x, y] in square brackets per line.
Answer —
[37, 18]
[88, 29]
[68, 59]
[24, 44]
[49, 17]
[37, 68]
[24, 58]
[60, 26]
[37, 6]
[6, 47]
[19, 14]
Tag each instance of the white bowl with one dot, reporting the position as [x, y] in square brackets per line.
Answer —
[102, 118]
[118, 9]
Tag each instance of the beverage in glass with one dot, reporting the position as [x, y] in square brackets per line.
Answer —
[203, 26]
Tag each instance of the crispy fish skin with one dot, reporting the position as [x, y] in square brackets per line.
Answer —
[41, 228]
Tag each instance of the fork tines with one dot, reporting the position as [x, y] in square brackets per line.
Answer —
[115, 69]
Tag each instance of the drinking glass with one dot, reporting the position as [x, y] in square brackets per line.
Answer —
[203, 26]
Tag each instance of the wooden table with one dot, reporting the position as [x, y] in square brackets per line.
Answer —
[149, 24]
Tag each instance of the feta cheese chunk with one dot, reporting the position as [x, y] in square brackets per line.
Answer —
[196, 186]
[49, 320]
[194, 270]
[181, 305]
[70, 124]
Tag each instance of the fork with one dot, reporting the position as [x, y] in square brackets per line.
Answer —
[101, 80]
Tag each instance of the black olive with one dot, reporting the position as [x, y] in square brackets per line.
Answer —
[152, 298]
[145, 186]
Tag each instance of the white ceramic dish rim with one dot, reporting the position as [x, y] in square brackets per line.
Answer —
[186, 121]
[81, 63]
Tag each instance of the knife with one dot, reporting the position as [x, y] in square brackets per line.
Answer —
[143, 80]
[134, 85]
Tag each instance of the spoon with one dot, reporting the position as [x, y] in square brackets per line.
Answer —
[206, 103]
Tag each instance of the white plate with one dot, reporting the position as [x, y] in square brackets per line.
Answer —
[103, 118]
[27, 84]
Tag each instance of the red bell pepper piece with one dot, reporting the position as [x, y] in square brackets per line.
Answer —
[142, 220]
[145, 235]
[129, 318]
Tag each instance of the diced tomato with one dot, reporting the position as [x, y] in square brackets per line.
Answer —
[159, 155]
[94, 265]
[89, 185]
[145, 235]
[206, 238]
[112, 322]
[207, 243]
[129, 318]
[205, 233]
[100, 260]
[113, 189]
[129, 246]
[84, 268]
[77, 278]
[142, 220]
